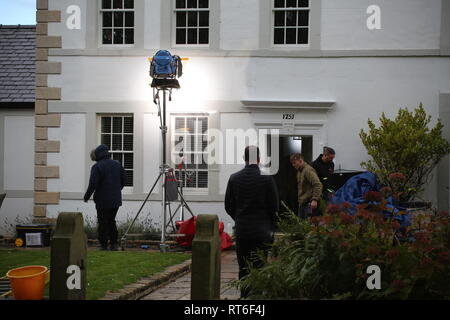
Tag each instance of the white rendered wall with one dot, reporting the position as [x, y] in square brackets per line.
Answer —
[230, 122]
[72, 157]
[152, 155]
[239, 24]
[127, 79]
[152, 27]
[362, 87]
[72, 38]
[103, 79]
[19, 153]
[405, 24]
[233, 79]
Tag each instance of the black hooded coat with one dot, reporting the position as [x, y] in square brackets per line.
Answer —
[106, 181]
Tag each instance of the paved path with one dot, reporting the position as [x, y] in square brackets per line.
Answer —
[180, 289]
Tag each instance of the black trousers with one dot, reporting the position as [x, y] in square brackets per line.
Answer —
[246, 251]
[107, 228]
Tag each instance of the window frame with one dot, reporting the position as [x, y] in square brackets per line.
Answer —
[100, 27]
[173, 135]
[285, 9]
[126, 189]
[174, 27]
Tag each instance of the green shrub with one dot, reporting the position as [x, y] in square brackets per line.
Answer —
[405, 145]
[327, 257]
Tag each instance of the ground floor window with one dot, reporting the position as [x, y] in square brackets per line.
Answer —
[117, 132]
[190, 149]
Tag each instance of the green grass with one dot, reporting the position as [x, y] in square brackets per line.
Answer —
[106, 270]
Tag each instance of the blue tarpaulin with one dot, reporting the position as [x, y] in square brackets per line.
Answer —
[357, 186]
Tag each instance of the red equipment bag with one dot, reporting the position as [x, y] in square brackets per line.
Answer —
[188, 229]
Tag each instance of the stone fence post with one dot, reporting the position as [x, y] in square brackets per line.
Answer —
[68, 258]
[205, 274]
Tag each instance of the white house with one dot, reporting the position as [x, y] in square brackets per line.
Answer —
[315, 70]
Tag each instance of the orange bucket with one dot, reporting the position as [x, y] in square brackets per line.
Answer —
[28, 283]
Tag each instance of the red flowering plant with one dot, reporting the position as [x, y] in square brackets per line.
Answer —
[327, 257]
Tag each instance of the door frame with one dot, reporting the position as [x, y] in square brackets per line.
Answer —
[315, 126]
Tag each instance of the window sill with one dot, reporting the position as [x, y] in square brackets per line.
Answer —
[191, 46]
[291, 46]
[117, 46]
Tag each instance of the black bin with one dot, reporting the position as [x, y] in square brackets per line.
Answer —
[34, 235]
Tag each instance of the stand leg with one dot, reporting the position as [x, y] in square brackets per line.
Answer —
[185, 203]
[182, 213]
[171, 218]
[124, 237]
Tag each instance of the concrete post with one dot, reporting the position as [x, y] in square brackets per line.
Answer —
[205, 275]
[68, 258]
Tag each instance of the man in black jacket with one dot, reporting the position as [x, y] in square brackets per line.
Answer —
[324, 167]
[251, 199]
[106, 182]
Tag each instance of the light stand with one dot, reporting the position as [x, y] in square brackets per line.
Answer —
[166, 86]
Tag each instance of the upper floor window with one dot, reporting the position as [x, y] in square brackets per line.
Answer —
[192, 22]
[291, 22]
[117, 22]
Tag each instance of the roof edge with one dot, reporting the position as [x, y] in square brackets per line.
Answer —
[17, 26]
[6, 105]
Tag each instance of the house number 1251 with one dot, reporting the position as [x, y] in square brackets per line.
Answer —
[288, 116]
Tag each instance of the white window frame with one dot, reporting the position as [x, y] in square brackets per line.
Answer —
[127, 189]
[100, 26]
[272, 38]
[190, 190]
[174, 26]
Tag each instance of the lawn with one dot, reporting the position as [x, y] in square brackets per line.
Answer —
[106, 270]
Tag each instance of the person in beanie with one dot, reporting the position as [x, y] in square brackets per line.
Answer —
[324, 167]
[251, 199]
[106, 183]
[309, 187]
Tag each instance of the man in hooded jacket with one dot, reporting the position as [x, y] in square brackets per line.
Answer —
[106, 183]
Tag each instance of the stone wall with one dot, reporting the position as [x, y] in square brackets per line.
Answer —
[43, 118]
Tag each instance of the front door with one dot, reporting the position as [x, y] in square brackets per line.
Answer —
[286, 177]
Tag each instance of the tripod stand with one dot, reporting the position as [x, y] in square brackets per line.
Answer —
[165, 87]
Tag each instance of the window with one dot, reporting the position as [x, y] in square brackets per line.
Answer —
[192, 22]
[190, 142]
[117, 22]
[117, 134]
[291, 22]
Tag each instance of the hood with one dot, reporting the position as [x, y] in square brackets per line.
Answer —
[102, 152]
